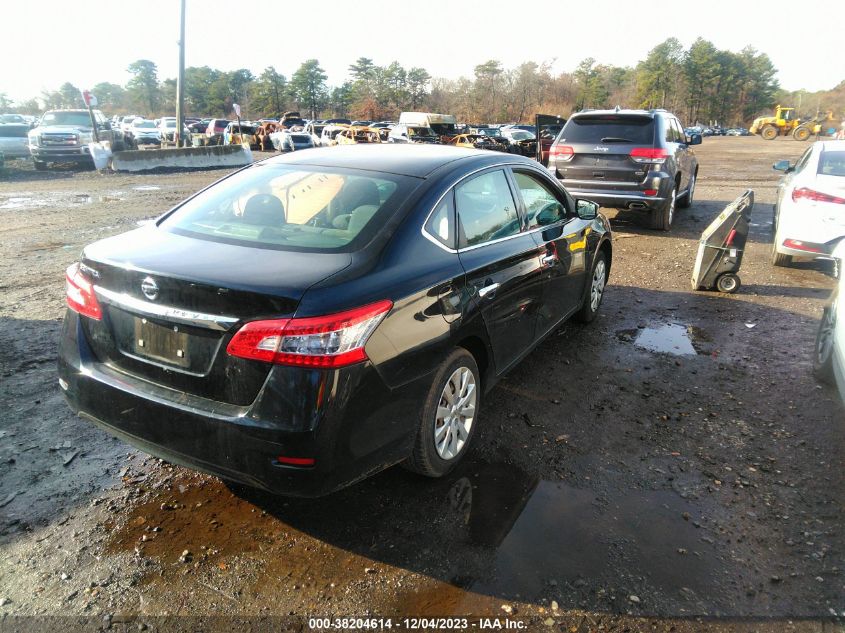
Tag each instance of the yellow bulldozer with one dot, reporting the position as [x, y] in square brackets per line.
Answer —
[786, 121]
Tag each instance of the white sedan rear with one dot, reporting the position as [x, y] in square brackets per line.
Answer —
[809, 216]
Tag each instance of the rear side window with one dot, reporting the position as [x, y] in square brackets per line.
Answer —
[486, 210]
[441, 224]
[609, 129]
[832, 164]
[293, 208]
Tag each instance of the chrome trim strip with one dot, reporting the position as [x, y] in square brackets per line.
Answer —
[588, 194]
[197, 319]
[613, 183]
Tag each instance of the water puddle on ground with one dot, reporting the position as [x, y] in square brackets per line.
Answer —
[147, 188]
[491, 532]
[667, 339]
[54, 199]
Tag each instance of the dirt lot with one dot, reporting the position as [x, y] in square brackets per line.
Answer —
[696, 486]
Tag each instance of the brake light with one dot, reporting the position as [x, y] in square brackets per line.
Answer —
[816, 196]
[80, 294]
[334, 340]
[563, 152]
[802, 246]
[296, 461]
[649, 155]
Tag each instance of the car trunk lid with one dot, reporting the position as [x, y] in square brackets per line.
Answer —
[171, 303]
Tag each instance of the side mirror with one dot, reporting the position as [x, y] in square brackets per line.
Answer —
[782, 165]
[587, 209]
[695, 139]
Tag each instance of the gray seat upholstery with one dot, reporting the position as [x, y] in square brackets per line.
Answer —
[265, 210]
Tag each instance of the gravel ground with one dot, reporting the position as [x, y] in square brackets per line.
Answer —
[698, 486]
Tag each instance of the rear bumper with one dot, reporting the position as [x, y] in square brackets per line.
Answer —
[623, 195]
[355, 426]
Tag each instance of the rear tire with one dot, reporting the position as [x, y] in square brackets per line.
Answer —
[449, 417]
[662, 218]
[779, 259]
[40, 165]
[769, 132]
[686, 200]
[728, 283]
[823, 350]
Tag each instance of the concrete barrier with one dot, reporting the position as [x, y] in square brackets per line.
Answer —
[182, 158]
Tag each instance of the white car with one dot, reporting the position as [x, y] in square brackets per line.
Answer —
[145, 132]
[809, 218]
[14, 140]
[829, 356]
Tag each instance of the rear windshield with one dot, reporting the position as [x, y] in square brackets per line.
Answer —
[293, 207]
[609, 129]
[832, 164]
[11, 130]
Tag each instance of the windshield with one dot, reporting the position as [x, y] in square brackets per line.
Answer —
[145, 124]
[444, 129]
[420, 131]
[81, 119]
[490, 131]
[288, 207]
[520, 135]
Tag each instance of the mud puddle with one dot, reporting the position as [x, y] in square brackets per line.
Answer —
[674, 339]
[492, 532]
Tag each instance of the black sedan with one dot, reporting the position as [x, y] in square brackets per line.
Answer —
[317, 317]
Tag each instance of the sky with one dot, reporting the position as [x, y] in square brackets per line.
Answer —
[86, 42]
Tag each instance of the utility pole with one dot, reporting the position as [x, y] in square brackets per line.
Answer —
[180, 82]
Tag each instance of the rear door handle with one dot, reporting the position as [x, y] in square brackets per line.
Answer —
[486, 290]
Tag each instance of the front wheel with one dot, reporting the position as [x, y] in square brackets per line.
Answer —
[686, 201]
[823, 356]
[598, 283]
[801, 133]
[449, 416]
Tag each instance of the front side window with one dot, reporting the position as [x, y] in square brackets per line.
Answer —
[542, 207]
[486, 210]
[288, 207]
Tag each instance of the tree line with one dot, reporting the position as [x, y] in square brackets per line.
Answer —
[701, 84]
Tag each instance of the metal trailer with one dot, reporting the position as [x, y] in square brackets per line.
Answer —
[721, 247]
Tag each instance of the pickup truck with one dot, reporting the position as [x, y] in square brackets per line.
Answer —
[62, 136]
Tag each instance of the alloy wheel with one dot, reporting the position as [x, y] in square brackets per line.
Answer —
[597, 285]
[455, 413]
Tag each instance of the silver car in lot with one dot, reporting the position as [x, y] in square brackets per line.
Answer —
[829, 354]
[14, 142]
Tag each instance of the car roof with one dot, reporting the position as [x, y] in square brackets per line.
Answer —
[409, 160]
[621, 112]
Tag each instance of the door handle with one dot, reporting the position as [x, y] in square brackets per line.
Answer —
[486, 290]
[548, 260]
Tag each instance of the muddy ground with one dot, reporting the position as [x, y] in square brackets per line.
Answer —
[673, 466]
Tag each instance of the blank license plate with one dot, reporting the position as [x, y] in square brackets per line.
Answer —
[162, 343]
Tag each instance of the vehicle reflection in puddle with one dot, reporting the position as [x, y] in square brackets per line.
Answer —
[489, 533]
[667, 339]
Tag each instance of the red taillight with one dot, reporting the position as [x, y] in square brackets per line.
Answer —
[80, 294]
[816, 196]
[335, 340]
[803, 246]
[650, 192]
[654, 155]
[563, 152]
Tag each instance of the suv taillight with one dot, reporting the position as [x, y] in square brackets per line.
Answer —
[334, 340]
[650, 155]
[561, 152]
[80, 294]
